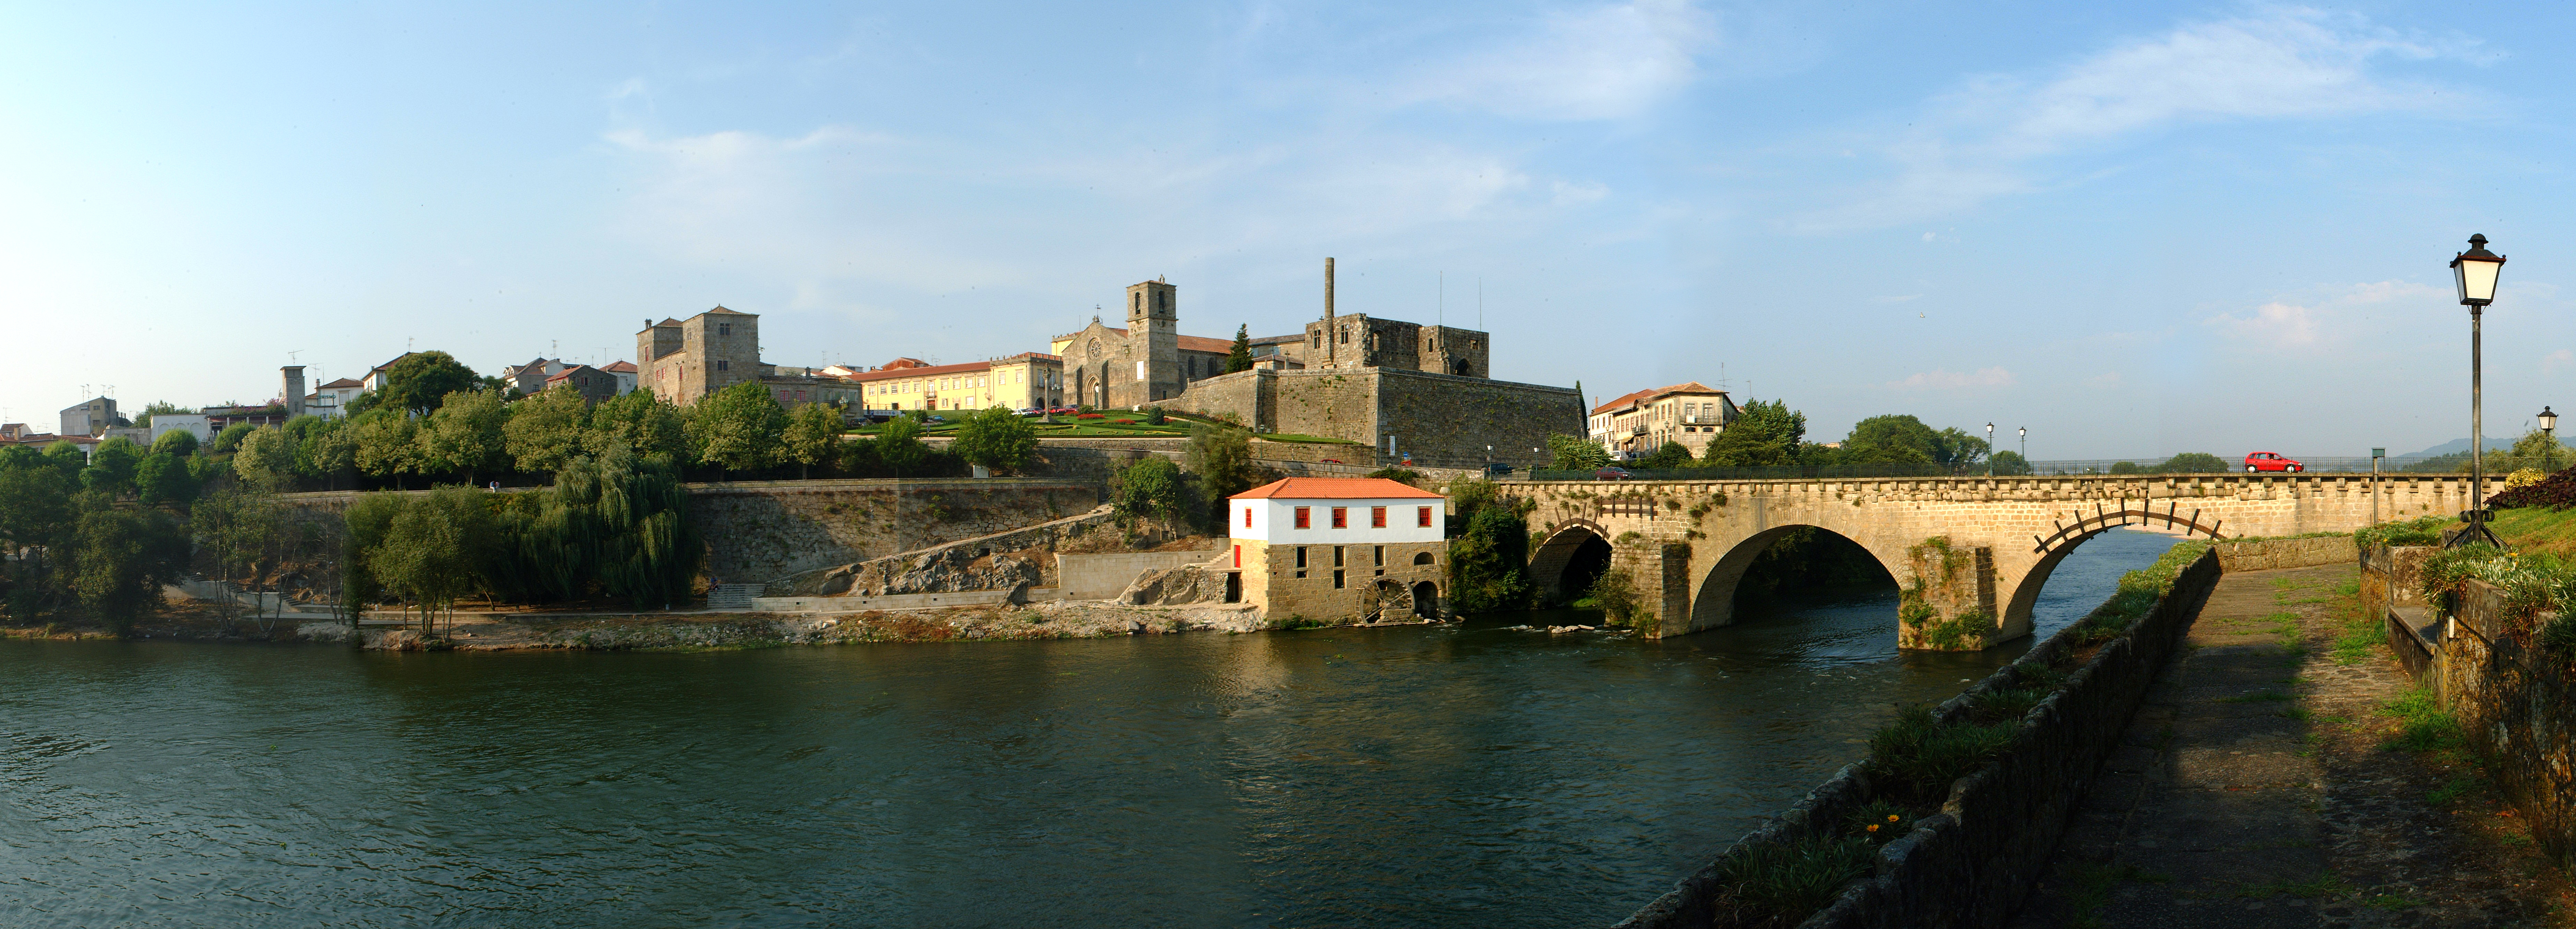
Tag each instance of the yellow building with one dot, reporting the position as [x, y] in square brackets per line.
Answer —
[1637, 424]
[1028, 380]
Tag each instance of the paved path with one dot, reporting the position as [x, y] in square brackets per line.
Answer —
[2251, 790]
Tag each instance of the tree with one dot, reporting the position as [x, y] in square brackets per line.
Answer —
[388, 445]
[2126, 467]
[158, 407]
[898, 446]
[545, 431]
[1489, 563]
[1239, 358]
[111, 467]
[177, 443]
[231, 438]
[422, 381]
[432, 551]
[2010, 462]
[2185, 463]
[996, 438]
[465, 434]
[1892, 439]
[327, 452]
[642, 422]
[36, 520]
[1222, 458]
[266, 460]
[2536, 449]
[121, 558]
[1765, 434]
[813, 436]
[738, 428]
[1671, 455]
[232, 528]
[1149, 488]
[1576, 454]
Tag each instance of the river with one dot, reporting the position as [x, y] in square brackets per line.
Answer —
[1472, 774]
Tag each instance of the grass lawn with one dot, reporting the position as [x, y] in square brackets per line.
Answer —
[2536, 529]
[1067, 427]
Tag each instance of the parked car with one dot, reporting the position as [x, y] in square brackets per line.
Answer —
[2271, 461]
[1065, 410]
[1612, 473]
[1027, 411]
[1497, 469]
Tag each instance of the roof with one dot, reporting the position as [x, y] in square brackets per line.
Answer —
[1189, 343]
[1336, 488]
[1279, 339]
[620, 367]
[1687, 387]
[1035, 356]
[568, 372]
[892, 373]
[397, 360]
[721, 311]
[905, 363]
[343, 382]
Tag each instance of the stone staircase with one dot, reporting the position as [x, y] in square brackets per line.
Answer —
[732, 596]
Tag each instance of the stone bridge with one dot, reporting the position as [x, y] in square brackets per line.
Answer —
[1970, 553]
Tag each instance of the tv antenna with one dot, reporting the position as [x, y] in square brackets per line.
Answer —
[290, 356]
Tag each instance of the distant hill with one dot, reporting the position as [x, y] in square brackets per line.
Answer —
[2459, 445]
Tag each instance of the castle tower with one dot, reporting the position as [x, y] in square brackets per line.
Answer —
[293, 375]
[1154, 326]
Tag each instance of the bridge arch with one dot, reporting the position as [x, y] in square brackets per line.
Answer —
[2054, 548]
[1712, 601]
[1576, 550]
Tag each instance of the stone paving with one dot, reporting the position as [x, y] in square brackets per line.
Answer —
[2252, 790]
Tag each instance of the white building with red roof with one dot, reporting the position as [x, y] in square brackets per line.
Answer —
[1635, 425]
[1339, 549]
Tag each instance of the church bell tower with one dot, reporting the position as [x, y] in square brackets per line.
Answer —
[1153, 322]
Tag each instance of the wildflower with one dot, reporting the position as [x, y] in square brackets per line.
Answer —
[1891, 817]
[1873, 827]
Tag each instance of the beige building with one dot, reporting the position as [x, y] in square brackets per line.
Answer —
[684, 360]
[1028, 380]
[1336, 549]
[1635, 425]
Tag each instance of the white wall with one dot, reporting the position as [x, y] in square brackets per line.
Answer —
[1275, 521]
[191, 423]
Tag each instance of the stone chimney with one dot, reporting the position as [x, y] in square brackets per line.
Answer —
[1328, 313]
[294, 390]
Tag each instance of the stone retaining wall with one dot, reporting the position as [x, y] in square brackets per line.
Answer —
[1972, 863]
[2267, 554]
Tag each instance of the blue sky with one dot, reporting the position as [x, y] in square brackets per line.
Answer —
[2135, 229]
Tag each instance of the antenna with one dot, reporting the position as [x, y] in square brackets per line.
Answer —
[290, 356]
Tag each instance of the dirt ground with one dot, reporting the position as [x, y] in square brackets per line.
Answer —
[2266, 782]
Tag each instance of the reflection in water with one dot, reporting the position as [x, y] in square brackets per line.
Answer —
[1471, 774]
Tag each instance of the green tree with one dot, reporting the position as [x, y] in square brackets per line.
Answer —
[465, 434]
[111, 467]
[642, 422]
[233, 529]
[1239, 358]
[165, 479]
[738, 428]
[898, 446]
[996, 438]
[422, 381]
[1489, 563]
[158, 407]
[2126, 467]
[1892, 439]
[1150, 488]
[327, 451]
[2536, 449]
[2010, 463]
[1765, 434]
[121, 558]
[231, 438]
[366, 521]
[1222, 458]
[1576, 454]
[545, 431]
[266, 460]
[1671, 455]
[36, 521]
[433, 551]
[177, 443]
[2187, 463]
[388, 445]
[813, 437]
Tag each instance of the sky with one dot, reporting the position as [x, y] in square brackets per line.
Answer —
[2135, 229]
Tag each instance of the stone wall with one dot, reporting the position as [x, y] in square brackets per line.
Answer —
[1102, 575]
[1972, 863]
[760, 531]
[2266, 554]
[1440, 418]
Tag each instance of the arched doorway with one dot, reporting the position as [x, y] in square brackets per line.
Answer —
[1573, 556]
[1426, 600]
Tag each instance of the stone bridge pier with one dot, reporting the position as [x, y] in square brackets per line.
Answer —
[1971, 554]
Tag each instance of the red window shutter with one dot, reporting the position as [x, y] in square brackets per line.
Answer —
[1341, 517]
[1238, 554]
[1301, 517]
[1422, 517]
[1247, 519]
[1377, 517]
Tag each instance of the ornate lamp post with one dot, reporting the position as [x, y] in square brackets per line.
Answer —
[2475, 272]
[2549, 427]
[2025, 451]
[1990, 449]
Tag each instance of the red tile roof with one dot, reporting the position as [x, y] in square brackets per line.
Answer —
[620, 367]
[1335, 488]
[721, 310]
[343, 382]
[1688, 387]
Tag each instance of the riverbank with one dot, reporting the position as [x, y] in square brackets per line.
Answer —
[695, 631]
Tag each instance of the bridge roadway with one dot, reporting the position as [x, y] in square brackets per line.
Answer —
[1971, 553]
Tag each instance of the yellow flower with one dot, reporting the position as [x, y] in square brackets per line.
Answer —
[1891, 817]
[1873, 827]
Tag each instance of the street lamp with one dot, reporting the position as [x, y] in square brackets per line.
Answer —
[2549, 427]
[1990, 449]
[2475, 272]
[2025, 450]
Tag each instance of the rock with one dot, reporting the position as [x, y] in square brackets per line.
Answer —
[1175, 586]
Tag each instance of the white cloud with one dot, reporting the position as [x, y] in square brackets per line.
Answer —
[1900, 298]
[2557, 359]
[1953, 380]
[1984, 139]
[2280, 324]
[1603, 62]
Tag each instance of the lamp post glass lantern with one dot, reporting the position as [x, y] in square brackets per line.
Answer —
[2475, 272]
[2549, 428]
[1990, 449]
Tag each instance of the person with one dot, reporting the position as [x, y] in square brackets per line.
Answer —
[1408, 459]
[496, 487]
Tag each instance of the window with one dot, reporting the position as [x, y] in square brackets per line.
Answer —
[1422, 558]
[1341, 517]
[723, 365]
[1301, 524]
[1247, 516]
[1337, 556]
[1378, 558]
[724, 328]
[1337, 580]
[1301, 556]
[1377, 517]
[1238, 552]
[1422, 517]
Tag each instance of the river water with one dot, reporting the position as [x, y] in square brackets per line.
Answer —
[1463, 775]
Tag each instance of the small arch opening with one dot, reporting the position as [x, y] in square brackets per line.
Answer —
[1422, 558]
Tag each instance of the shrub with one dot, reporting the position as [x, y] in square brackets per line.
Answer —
[2557, 492]
[1922, 755]
[2007, 705]
[1879, 821]
[1088, 416]
[1783, 882]
[2425, 531]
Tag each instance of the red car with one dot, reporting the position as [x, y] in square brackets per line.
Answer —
[2271, 461]
[1612, 473]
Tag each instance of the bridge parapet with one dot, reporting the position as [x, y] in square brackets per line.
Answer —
[2015, 528]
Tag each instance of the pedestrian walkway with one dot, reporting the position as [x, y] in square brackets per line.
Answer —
[2252, 790]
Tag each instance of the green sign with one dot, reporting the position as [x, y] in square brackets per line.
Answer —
[2378, 453]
